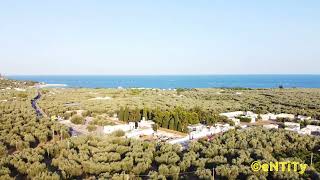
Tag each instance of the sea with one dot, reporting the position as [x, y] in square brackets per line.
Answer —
[177, 81]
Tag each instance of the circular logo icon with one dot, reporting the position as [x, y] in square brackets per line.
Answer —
[256, 166]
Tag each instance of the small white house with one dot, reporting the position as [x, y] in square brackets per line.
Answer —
[292, 126]
[310, 130]
[199, 134]
[236, 114]
[230, 115]
[215, 130]
[179, 140]
[226, 127]
[305, 131]
[313, 127]
[303, 118]
[203, 133]
[123, 127]
[198, 131]
[283, 115]
[145, 123]
[269, 116]
[136, 133]
[271, 126]
[195, 127]
[251, 114]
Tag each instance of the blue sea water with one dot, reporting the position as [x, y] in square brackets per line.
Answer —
[179, 81]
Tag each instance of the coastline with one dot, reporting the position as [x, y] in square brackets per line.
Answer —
[51, 85]
[177, 81]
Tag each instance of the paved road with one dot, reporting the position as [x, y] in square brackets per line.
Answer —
[35, 106]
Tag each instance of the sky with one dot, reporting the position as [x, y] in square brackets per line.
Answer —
[159, 37]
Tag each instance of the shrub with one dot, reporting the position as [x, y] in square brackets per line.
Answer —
[76, 119]
[86, 113]
[23, 95]
[244, 119]
[91, 127]
[101, 121]
[283, 119]
[66, 115]
[118, 133]
[155, 127]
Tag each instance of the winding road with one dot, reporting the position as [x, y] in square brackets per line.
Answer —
[35, 106]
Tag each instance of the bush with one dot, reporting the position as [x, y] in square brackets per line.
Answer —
[76, 119]
[283, 119]
[231, 123]
[118, 133]
[91, 127]
[244, 119]
[101, 121]
[66, 115]
[86, 113]
[155, 127]
[23, 95]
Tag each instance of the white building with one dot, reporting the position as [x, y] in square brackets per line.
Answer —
[269, 116]
[237, 114]
[204, 133]
[136, 133]
[123, 127]
[283, 115]
[224, 127]
[313, 127]
[132, 129]
[215, 130]
[310, 130]
[292, 126]
[271, 126]
[200, 131]
[230, 115]
[251, 114]
[305, 131]
[303, 118]
[179, 140]
[145, 123]
[195, 127]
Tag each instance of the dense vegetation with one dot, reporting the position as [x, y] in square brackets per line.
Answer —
[230, 155]
[175, 119]
[40, 148]
[19, 126]
[295, 101]
[8, 83]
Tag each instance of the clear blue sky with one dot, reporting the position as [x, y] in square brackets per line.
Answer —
[160, 37]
